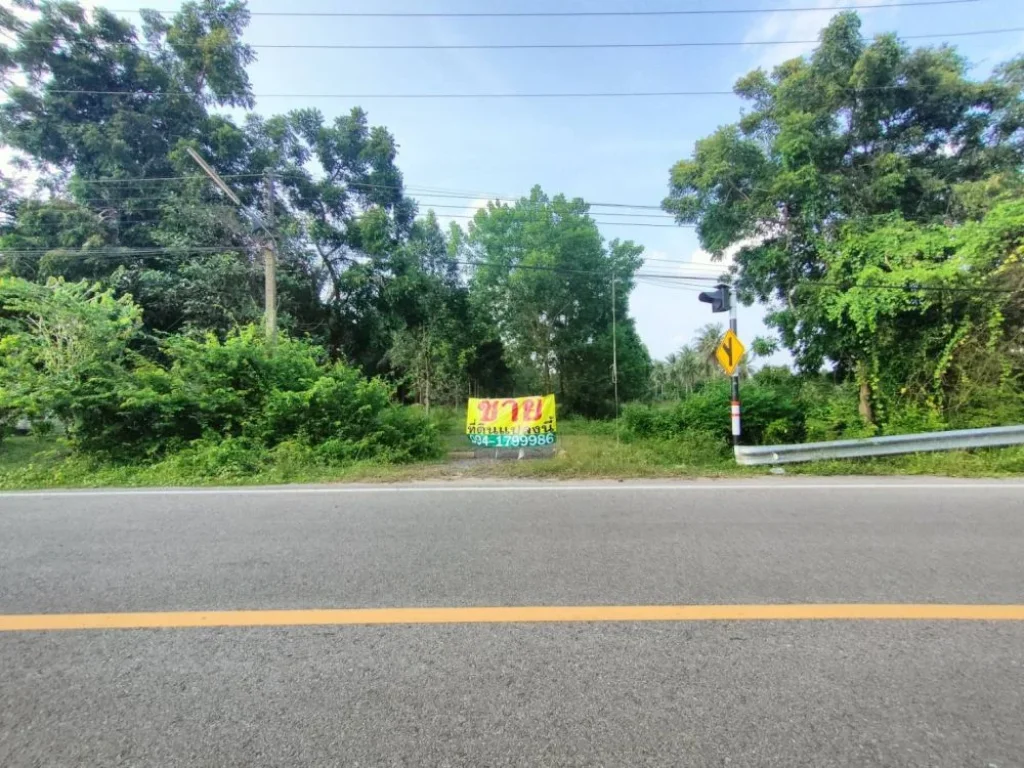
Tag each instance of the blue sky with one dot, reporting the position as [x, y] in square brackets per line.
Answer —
[604, 150]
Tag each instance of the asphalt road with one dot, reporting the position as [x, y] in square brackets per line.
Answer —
[716, 693]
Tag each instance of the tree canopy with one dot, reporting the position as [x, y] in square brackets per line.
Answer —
[103, 115]
[543, 278]
[868, 186]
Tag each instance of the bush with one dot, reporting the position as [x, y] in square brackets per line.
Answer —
[831, 411]
[67, 352]
[767, 411]
[645, 420]
[242, 388]
[220, 459]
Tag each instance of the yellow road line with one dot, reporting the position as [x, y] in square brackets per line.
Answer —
[509, 615]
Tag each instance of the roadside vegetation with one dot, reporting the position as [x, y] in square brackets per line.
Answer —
[871, 194]
[586, 450]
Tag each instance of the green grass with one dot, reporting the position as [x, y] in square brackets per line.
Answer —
[988, 462]
[584, 450]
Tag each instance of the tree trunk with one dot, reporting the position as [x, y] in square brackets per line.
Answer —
[864, 401]
[426, 398]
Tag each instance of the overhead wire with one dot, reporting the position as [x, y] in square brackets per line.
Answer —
[596, 221]
[572, 14]
[461, 96]
[109, 205]
[650, 277]
[413, 189]
[569, 46]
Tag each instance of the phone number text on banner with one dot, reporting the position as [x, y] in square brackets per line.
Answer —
[511, 422]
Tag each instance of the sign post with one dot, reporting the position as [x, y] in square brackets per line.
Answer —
[730, 350]
[735, 353]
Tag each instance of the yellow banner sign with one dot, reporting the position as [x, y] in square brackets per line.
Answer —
[511, 416]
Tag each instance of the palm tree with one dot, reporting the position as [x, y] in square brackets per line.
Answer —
[694, 364]
[661, 377]
[706, 342]
[690, 370]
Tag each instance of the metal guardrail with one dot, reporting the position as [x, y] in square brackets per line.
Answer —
[953, 440]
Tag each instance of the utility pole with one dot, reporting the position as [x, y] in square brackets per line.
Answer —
[269, 257]
[615, 360]
[269, 262]
[213, 175]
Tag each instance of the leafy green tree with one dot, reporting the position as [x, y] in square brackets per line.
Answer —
[103, 115]
[343, 211]
[106, 114]
[64, 348]
[543, 276]
[949, 333]
[858, 132]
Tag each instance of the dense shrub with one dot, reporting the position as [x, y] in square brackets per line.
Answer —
[241, 388]
[781, 407]
[830, 411]
[767, 410]
[67, 353]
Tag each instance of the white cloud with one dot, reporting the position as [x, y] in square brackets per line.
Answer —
[446, 215]
[700, 257]
[795, 26]
[656, 255]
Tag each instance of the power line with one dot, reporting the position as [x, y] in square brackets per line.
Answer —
[908, 288]
[565, 14]
[566, 95]
[463, 96]
[108, 205]
[596, 221]
[147, 179]
[570, 46]
[663, 216]
[168, 253]
[156, 252]
[131, 217]
[412, 190]
[114, 252]
[654, 283]
[707, 269]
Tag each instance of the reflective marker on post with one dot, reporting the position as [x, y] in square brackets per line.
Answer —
[735, 419]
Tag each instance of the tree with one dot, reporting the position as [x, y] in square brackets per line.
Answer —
[543, 277]
[345, 215]
[63, 348]
[433, 344]
[856, 133]
[104, 121]
[949, 333]
[106, 114]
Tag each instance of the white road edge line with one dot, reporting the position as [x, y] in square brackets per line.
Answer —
[499, 488]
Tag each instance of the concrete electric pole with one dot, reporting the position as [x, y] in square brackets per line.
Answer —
[269, 262]
[269, 256]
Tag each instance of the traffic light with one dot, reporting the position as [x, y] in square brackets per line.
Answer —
[719, 299]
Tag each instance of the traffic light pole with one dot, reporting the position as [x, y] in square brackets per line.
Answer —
[735, 405]
[721, 300]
